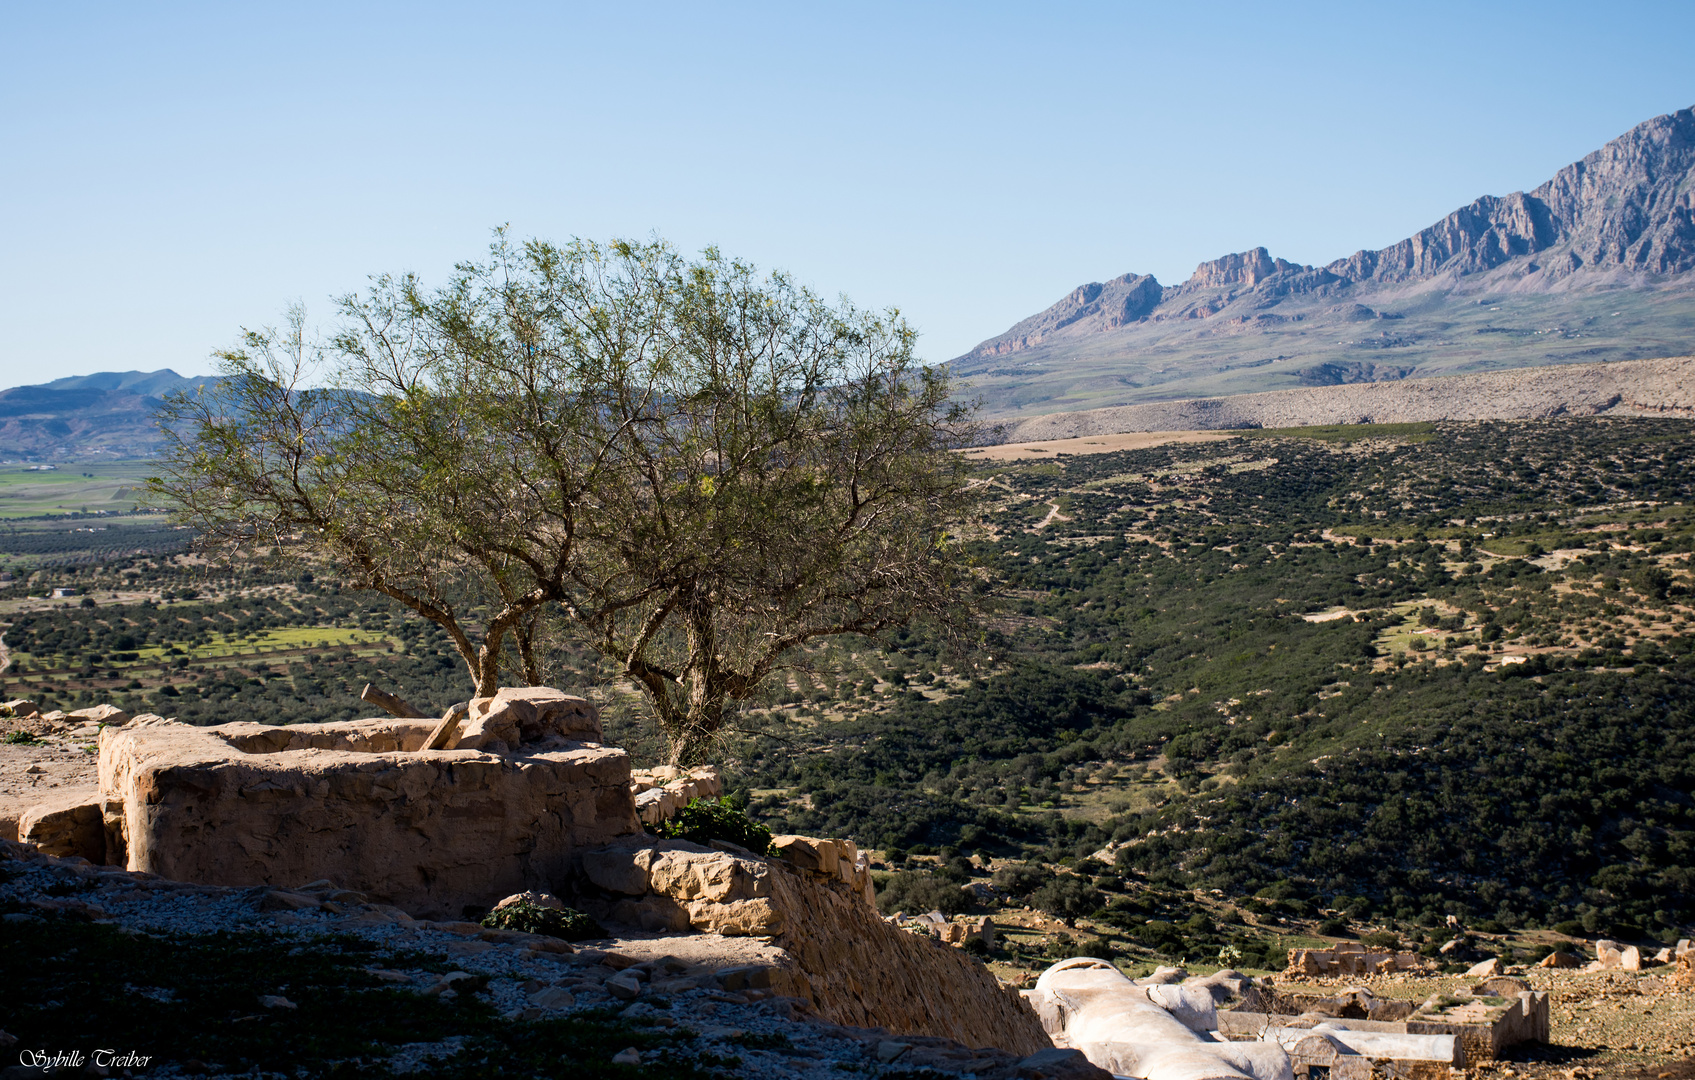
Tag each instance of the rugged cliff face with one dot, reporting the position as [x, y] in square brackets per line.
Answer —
[1630, 205]
[1549, 268]
[1090, 309]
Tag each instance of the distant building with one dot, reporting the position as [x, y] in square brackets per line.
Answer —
[64, 592]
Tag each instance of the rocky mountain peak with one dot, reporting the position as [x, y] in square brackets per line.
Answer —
[1628, 207]
[1089, 309]
[1247, 268]
[1595, 264]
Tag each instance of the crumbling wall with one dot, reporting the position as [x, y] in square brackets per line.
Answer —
[1347, 958]
[430, 832]
[1480, 1029]
[838, 952]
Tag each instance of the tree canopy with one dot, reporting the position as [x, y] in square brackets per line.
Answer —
[691, 466]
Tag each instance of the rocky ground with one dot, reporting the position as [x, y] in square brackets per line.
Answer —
[1605, 1024]
[53, 762]
[671, 1005]
[668, 1001]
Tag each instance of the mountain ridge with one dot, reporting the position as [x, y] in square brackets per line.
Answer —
[1621, 219]
[102, 416]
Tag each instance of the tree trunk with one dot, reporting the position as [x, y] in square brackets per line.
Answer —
[702, 716]
[488, 669]
[694, 732]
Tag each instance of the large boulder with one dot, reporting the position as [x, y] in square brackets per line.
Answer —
[109, 715]
[678, 884]
[68, 823]
[531, 714]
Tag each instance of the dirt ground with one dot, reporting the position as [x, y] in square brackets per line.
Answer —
[1091, 444]
[1610, 1024]
[30, 774]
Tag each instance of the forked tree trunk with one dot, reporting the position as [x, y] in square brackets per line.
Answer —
[692, 733]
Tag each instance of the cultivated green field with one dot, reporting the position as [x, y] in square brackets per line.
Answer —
[292, 639]
[31, 491]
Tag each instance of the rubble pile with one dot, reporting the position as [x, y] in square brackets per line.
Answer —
[1349, 958]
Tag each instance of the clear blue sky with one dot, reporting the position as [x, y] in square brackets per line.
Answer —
[171, 172]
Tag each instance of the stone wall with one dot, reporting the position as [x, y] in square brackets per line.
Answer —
[1481, 1030]
[526, 800]
[838, 953]
[66, 824]
[1351, 958]
[429, 832]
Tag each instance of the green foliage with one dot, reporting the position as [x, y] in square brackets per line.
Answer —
[567, 924]
[1021, 881]
[706, 820]
[916, 892]
[1346, 433]
[1162, 629]
[1064, 948]
[1151, 681]
[1067, 897]
[657, 410]
[21, 737]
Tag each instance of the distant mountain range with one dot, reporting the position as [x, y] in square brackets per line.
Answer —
[87, 417]
[1596, 264]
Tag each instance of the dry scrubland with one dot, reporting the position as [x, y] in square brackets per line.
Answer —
[1664, 387]
[1354, 678]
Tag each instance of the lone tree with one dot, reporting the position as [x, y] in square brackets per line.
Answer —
[693, 468]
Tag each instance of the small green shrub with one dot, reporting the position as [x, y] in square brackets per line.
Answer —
[20, 738]
[1021, 881]
[525, 917]
[1381, 939]
[915, 891]
[706, 820]
[1333, 928]
[1067, 898]
[1064, 948]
